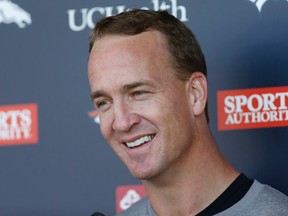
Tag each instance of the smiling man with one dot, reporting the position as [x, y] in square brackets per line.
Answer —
[148, 81]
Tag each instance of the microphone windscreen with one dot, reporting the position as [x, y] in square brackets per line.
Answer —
[97, 214]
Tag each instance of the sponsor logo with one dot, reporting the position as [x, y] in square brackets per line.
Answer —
[18, 124]
[259, 3]
[12, 13]
[128, 195]
[94, 115]
[253, 108]
[80, 19]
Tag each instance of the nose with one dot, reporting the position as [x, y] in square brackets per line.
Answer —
[124, 117]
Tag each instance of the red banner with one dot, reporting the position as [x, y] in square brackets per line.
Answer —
[252, 108]
[18, 124]
[127, 195]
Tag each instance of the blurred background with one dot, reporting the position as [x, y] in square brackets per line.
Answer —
[53, 158]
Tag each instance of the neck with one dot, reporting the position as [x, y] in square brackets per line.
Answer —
[193, 183]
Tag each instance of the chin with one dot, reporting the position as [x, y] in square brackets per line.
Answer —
[140, 176]
[143, 175]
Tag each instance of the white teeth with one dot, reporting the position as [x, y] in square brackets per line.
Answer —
[139, 141]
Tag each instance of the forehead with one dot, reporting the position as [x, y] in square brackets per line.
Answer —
[147, 44]
[142, 40]
[121, 59]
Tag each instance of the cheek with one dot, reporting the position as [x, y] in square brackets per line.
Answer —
[105, 127]
[176, 117]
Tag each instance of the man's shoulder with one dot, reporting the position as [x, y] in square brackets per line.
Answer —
[260, 200]
[138, 208]
[271, 197]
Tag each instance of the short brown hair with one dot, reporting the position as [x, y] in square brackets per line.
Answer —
[184, 49]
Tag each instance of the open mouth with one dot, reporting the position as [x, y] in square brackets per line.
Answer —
[140, 141]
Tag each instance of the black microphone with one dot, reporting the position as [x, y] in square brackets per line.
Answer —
[97, 214]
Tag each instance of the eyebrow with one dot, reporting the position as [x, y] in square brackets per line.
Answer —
[97, 94]
[125, 88]
[137, 84]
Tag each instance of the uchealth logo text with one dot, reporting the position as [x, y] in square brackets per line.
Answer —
[127, 195]
[253, 108]
[80, 19]
[18, 124]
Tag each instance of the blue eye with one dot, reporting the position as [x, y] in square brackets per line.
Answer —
[136, 93]
[103, 105]
[139, 94]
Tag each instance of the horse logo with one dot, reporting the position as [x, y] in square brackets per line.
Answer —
[12, 13]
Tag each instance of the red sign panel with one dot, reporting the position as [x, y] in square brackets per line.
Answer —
[128, 195]
[18, 124]
[252, 108]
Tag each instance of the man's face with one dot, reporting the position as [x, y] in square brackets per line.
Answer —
[145, 112]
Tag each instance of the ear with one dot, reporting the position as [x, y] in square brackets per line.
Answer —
[197, 87]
